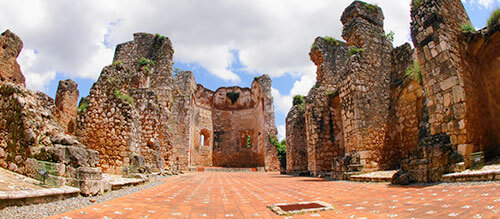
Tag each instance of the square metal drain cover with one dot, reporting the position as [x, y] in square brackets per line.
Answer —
[282, 209]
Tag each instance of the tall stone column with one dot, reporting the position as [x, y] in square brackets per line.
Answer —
[435, 29]
[366, 91]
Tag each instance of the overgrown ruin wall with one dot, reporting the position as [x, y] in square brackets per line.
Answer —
[140, 116]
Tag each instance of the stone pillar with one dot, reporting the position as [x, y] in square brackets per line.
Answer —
[296, 143]
[10, 47]
[270, 153]
[435, 29]
[366, 92]
[66, 102]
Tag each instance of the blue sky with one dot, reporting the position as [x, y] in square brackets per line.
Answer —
[224, 43]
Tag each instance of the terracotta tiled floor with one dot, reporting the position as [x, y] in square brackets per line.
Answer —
[246, 195]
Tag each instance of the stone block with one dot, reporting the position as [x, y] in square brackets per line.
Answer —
[449, 83]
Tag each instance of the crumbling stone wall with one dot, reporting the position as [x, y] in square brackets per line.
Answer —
[233, 124]
[460, 85]
[480, 54]
[10, 47]
[296, 145]
[31, 141]
[128, 108]
[138, 111]
[347, 110]
[66, 102]
[404, 110]
[435, 30]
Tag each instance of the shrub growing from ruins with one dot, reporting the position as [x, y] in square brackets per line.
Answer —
[389, 36]
[330, 41]
[417, 3]
[414, 71]
[314, 46]
[494, 19]
[467, 28]
[371, 7]
[249, 142]
[281, 148]
[124, 97]
[82, 107]
[233, 96]
[159, 36]
[146, 62]
[298, 100]
[354, 51]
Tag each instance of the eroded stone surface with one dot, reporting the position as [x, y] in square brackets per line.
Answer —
[10, 47]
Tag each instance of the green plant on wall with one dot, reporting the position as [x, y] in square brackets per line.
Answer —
[494, 19]
[389, 36]
[467, 28]
[233, 96]
[159, 36]
[124, 97]
[371, 7]
[414, 71]
[249, 142]
[354, 51]
[417, 3]
[82, 107]
[146, 62]
[331, 41]
[298, 100]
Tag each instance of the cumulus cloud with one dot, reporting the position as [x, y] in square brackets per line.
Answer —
[483, 3]
[78, 38]
[281, 132]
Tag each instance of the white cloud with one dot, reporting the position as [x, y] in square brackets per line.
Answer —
[272, 37]
[281, 132]
[483, 3]
[34, 80]
[283, 103]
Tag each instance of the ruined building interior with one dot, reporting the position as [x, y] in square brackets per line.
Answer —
[422, 110]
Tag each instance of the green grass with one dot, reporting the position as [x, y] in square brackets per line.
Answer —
[467, 28]
[124, 97]
[331, 41]
[414, 71]
[354, 51]
[494, 19]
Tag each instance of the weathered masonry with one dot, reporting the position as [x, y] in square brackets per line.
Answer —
[139, 113]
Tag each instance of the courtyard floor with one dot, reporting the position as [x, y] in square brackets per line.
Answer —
[246, 195]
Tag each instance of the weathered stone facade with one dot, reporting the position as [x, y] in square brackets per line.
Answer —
[296, 145]
[10, 47]
[347, 111]
[32, 142]
[138, 110]
[461, 76]
[375, 107]
[66, 102]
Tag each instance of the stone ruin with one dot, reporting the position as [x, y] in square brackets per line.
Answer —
[371, 109]
[142, 118]
[138, 118]
[31, 140]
